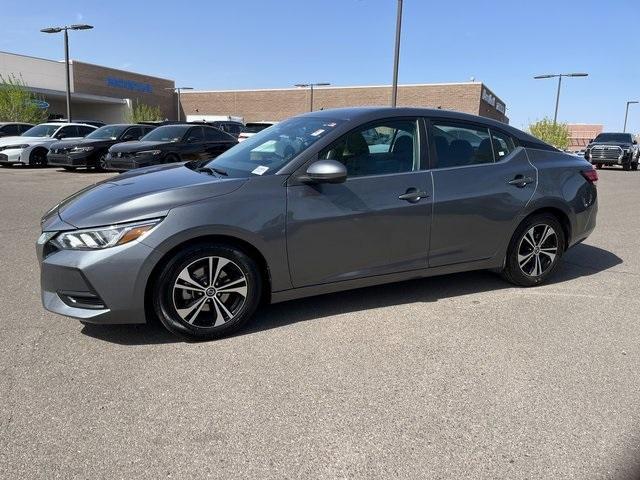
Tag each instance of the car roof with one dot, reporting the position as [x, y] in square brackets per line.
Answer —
[62, 124]
[365, 114]
[15, 123]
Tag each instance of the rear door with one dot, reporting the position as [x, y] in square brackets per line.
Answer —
[375, 223]
[194, 146]
[482, 182]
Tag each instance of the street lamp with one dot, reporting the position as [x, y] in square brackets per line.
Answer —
[560, 75]
[178, 90]
[396, 55]
[66, 28]
[310, 86]
[626, 112]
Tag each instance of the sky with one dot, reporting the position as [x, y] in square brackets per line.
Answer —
[225, 44]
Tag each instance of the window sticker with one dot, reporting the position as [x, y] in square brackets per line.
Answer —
[259, 170]
[320, 131]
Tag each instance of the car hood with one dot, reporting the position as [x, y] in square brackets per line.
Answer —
[24, 140]
[137, 146]
[140, 194]
[86, 142]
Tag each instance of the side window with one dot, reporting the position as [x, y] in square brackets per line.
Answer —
[133, 133]
[10, 130]
[23, 128]
[84, 131]
[67, 132]
[213, 135]
[146, 130]
[383, 147]
[503, 145]
[195, 135]
[460, 144]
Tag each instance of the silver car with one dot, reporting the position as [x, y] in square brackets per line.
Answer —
[322, 202]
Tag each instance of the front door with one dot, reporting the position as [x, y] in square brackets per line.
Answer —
[377, 222]
[482, 183]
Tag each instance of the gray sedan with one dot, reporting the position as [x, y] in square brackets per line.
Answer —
[322, 202]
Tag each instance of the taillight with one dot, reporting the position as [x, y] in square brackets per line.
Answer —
[590, 175]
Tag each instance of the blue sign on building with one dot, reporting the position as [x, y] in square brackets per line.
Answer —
[129, 85]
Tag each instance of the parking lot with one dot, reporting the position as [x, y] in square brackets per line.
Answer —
[462, 376]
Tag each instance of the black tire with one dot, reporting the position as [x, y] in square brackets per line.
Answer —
[70, 169]
[171, 158]
[634, 166]
[101, 162]
[38, 157]
[598, 166]
[626, 167]
[202, 316]
[527, 275]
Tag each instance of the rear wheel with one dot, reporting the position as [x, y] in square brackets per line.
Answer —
[535, 250]
[101, 163]
[207, 292]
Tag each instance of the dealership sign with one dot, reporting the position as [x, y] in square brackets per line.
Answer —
[129, 85]
[493, 101]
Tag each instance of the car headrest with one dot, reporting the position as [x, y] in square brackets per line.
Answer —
[403, 145]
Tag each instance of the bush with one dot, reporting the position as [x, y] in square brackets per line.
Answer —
[556, 134]
[17, 103]
[145, 113]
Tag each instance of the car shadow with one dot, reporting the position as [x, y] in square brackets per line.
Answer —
[582, 260]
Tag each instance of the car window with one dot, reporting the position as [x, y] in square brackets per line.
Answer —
[460, 144]
[146, 130]
[195, 135]
[67, 132]
[133, 133]
[10, 130]
[503, 145]
[83, 131]
[214, 135]
[387, 146]
[23, 128]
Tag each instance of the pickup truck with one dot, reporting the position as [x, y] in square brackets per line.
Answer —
[613, 149]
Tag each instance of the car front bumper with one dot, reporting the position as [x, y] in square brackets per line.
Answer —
[12, 157]
[80, 159]
[129, 163]
[80, 283]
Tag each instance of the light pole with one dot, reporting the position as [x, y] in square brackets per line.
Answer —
[559, 75]
[66, 28]
[310, 86]
[626, 112]
[396, 56]
[178, 90]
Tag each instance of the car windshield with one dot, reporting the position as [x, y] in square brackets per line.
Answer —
[41, 131]
[614, 137]
[168, 133]
[268, 151]
[109, 132]
[255, 127]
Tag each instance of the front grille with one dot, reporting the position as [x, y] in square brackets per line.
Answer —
[605, 152]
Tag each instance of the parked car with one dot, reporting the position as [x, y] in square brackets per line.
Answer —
[91, 151]
[200, 245]
[251, 128]
[32, 146]
[170, 144]
[12, 129]
[95, 123]
[231, 127]
[613, 149]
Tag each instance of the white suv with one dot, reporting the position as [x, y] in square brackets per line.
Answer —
[32, 146]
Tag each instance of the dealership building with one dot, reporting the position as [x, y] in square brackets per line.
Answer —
[279, 103]
[97, 93]
[108, 94]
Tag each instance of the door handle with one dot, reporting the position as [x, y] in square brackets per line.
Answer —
[413, 195]
[521, 181]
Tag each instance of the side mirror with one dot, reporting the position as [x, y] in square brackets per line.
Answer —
[325, 171]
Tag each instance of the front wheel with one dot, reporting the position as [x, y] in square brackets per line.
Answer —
[38, 158]
[207, 292]
[535, 251]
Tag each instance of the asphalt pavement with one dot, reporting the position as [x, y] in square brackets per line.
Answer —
[455, 377]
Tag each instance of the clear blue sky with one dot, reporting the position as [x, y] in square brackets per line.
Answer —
[261, 43]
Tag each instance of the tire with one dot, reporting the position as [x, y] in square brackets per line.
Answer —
[70, 169]
[38, 158]
[626, 167]
[598, 166]
[171, 158]
[101, 162]
[634, 166]
[188, 304]
[526, 242]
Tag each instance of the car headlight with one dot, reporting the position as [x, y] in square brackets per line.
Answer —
[144, 153]
[105, 237]
[82, 149]
[14, 147]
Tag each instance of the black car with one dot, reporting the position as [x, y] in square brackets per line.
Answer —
[229, 126]
[169, 144]
[95, 123]
[91, 150]
[13, 129]
[613, 149]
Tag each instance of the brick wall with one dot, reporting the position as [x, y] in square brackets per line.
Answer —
[277, 104]
[111, 82]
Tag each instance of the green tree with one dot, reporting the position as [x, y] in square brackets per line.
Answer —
[556, 134]
[145, 113]
[17, 103]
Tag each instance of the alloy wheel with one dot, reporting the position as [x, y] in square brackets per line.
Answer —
[102, 161]
[210, 292]
[537, 250]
